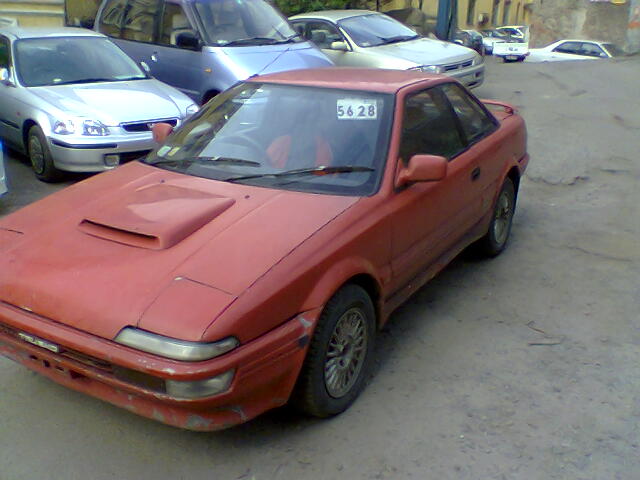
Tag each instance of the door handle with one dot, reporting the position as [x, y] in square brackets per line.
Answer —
[154, 57]
[475, 174]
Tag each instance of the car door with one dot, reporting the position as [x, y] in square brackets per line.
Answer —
[171, 60]
[431, 217]
[567, 51]
[9, 97]
[594, 50]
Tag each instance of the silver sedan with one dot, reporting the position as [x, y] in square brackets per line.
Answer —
[362, 38]
[73, 101]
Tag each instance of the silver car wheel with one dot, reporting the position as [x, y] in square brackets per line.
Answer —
[502, 218]
[345, 353]
[36, 155]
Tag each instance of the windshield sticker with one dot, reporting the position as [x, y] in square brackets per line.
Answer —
[164, 150]
[357, 109]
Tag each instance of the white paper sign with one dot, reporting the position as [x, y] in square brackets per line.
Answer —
[357, 109]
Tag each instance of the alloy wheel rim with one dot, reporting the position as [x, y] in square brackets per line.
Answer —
[346, 353]
[502, 218]
[36, 154]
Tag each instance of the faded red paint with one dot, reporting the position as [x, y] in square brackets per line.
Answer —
[205, 259]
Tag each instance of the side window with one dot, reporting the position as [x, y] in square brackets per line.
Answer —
[112, 18]
[139, 20]
[5, 50]
[323, 34]
[476, 123]
[568, 47]
[428, 127]
[174, 22]
[592, 50]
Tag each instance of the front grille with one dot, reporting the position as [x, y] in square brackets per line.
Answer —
[458, 66]
[137, 127]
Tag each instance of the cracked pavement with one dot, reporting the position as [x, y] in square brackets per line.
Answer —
[521, 367]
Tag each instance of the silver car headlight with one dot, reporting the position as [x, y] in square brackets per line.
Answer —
[173, 348]
[429, 68]
[94, 128]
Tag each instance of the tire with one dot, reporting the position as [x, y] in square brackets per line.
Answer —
[496, 238]
[322, 391]
[40, 156]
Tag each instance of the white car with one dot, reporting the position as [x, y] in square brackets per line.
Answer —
[513, 31]
[3, 177]
[563, 50]
[362, 38]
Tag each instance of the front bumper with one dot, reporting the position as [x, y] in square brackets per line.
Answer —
[470, 77]
[89, 154]
[265, 370]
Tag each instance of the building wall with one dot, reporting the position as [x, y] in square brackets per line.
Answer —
[34, 13]
[610, 21]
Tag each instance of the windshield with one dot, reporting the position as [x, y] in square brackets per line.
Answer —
[613, 50]
[67, 60]
[375, 29]
[243, 22]
[280, 136]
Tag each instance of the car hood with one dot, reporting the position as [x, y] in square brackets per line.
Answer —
[263, 59]
[140, 246]
[425, 51]
[113, 103]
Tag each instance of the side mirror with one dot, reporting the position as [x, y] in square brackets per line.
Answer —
[5, 78]
[161, 131]
[423, 168]
[188, 40]
[340, 46]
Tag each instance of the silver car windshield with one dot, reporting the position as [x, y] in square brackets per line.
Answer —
[287, 137]
[375, 29]
[243, 22]
[69, 60]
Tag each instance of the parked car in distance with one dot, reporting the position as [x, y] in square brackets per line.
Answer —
[513, 31]
[3, 175]
[490, 38]
[203, 47]
[249, 262]
[511, 50]
[73, 101]
[564, 50]
[362, 38]
[470, 39]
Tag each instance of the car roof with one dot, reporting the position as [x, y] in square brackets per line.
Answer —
[367, 79]
[335, 15]
[41, 32]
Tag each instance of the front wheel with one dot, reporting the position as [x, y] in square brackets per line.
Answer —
[495, 240]
[40, 156]
[339, 355]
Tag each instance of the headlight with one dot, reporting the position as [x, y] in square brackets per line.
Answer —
[429, 68]
[94, 128]
[200, 388]
[66, 127]
[173, 348]
[191, 109]
[477, 60]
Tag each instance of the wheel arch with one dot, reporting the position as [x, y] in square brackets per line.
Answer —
[26, 126]
[514, 176]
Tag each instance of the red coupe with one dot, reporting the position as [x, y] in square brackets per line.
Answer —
[250, 259]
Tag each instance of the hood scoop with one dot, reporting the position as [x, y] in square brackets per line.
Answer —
[155, 217]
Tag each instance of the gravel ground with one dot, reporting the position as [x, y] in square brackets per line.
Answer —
[521, 367]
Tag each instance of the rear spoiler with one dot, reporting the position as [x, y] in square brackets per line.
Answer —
[508, 109]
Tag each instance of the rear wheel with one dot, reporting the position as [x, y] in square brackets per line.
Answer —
[339, 355]
[40, 156]
[496, 238]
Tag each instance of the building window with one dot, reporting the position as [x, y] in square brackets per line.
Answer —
[471, 10]
[505, 12]
[494, 12]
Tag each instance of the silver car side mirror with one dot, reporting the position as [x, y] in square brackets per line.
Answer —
[340, 46]
[5, 78]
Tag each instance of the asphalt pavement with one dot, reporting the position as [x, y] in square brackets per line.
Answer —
[520, 367]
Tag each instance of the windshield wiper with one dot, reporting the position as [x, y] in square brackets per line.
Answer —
[319, 171]
[396, 39]
[86, 80]
[288, 39]
[251, 41]
[205, 160]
